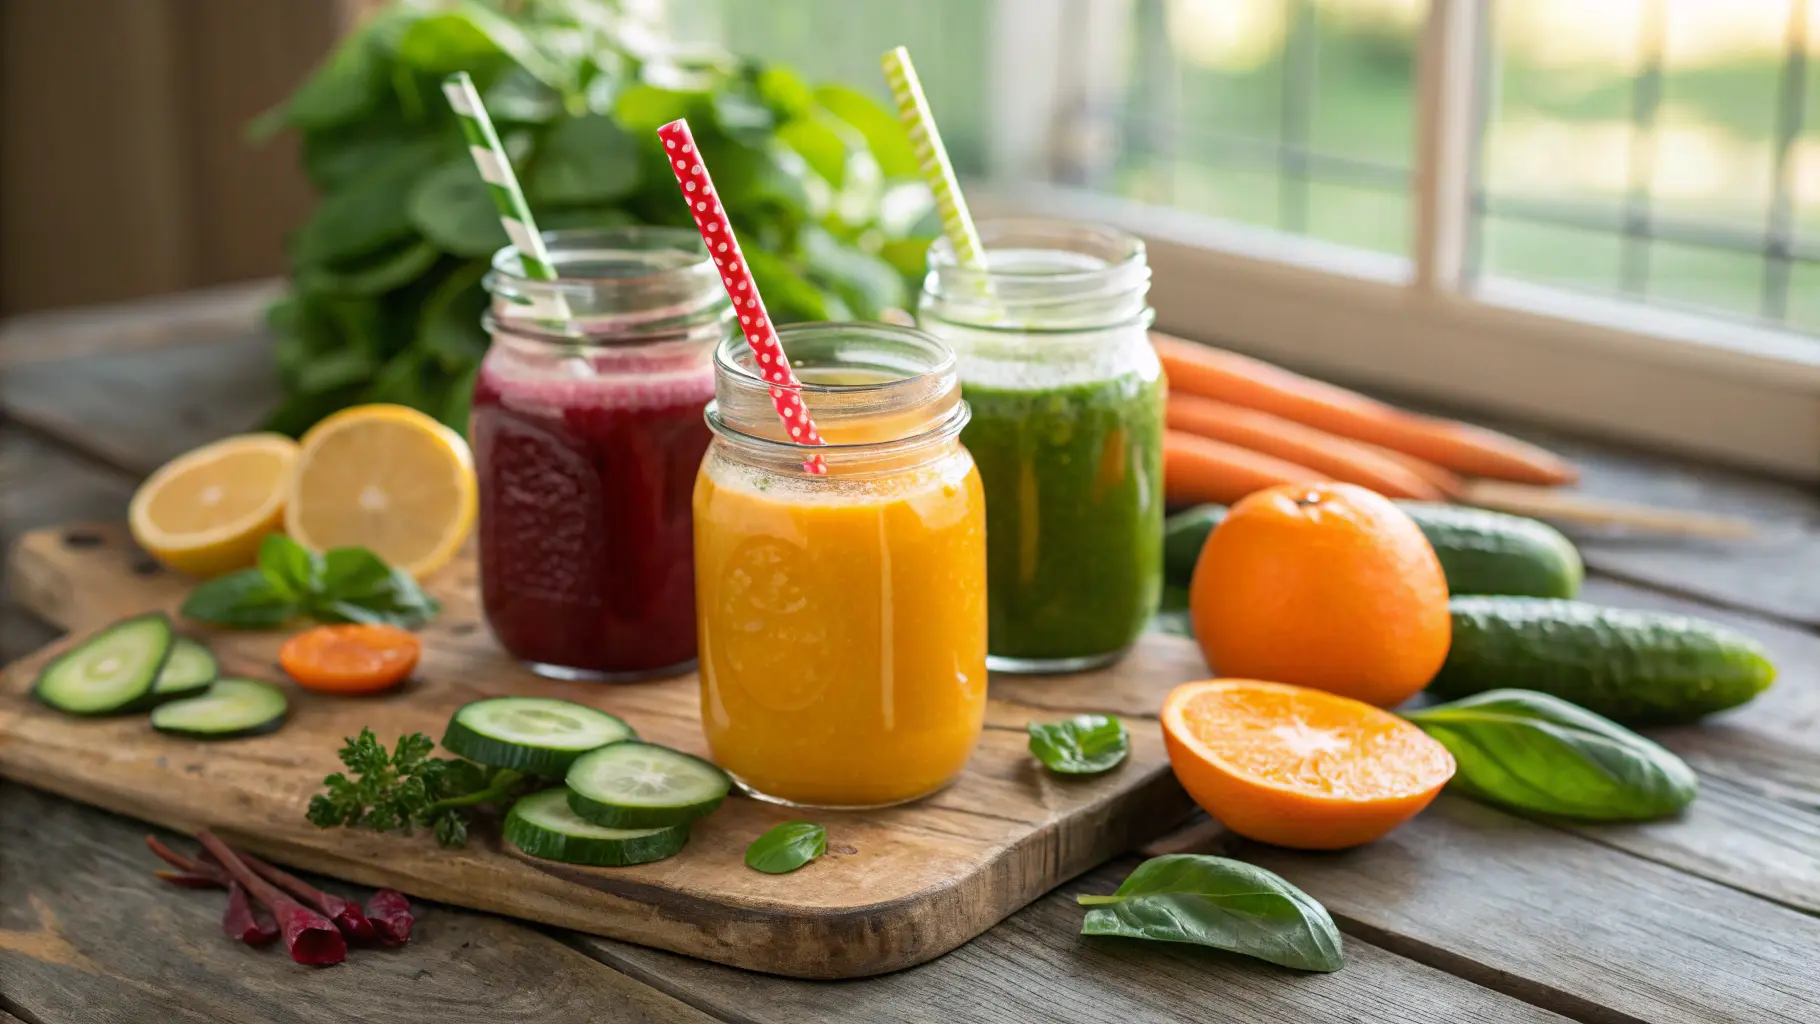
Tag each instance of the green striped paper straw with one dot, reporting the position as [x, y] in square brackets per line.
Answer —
[496, 169]
[938, 172]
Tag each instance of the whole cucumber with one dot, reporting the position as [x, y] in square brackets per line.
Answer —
[1484, 552]
[1481, 552]
[1635, 667]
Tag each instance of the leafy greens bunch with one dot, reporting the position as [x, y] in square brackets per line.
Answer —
[386, 299]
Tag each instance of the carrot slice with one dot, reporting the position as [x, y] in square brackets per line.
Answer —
[1198, 469]
[358, 658]
[1343, 460]
[1214, 373]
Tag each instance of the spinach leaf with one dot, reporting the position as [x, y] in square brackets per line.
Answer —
[883, 131]
[1082, 745]
[369, 213]
[787, 847]
[584, 160]
[866, 282]
[818, 142]
[1533, 752]
[372, 274]
[1226, 904]
[454, 208]
[243, 600]
[785, 93]
[449, 327]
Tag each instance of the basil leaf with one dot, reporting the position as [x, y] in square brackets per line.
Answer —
[1226, 904]
[357, 586]
[787, 847]
[1533, 752]
[1082, 745]
[245, 600]
[292, 569]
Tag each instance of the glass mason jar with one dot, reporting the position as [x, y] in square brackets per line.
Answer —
[843, 617]
[587, 432]
[1067, 428]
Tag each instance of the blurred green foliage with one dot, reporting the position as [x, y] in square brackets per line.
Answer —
[386, 296]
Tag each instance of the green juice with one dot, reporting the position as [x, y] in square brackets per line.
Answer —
[1074, 513]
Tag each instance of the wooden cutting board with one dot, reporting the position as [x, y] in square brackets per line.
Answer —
[898, 887]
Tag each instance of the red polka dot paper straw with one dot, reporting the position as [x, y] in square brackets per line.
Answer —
[761, 334]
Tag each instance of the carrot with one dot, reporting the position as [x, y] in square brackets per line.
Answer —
[360, 658]
[1448, 483]
[1229, 377]
[1342, 460]
[1198, 469]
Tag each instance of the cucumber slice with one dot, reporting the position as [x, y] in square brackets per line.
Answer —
[110, 672]
[187, 672]
[231, 708]
[542, 825]
[642, 785]
[539, 735]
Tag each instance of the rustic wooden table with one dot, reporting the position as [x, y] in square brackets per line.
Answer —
[1465, 914]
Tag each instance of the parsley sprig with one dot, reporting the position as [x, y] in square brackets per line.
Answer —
[405, 789]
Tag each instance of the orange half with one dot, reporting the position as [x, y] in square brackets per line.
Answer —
[1298, 767]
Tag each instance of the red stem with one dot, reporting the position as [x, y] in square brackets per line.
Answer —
[346, 915]
[243, 923]
[194, 868]
[310, 937]
[185, 880]
[390, 913]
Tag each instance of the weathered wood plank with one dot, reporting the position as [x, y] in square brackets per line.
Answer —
[1733, 836]
[137, 411]
[87, 934]
[1036, 966]
[1776, 573]
[41, 484]
[1564, 923]
[229, 311]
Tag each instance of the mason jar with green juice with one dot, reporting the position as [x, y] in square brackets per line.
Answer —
[1052, 337]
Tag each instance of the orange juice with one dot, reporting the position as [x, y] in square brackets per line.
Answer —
[842, 618]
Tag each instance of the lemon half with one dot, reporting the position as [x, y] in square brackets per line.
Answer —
[387, 478]
[206, 511]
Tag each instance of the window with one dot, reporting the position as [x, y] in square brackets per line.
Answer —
[1604, 214]
[1655, 149]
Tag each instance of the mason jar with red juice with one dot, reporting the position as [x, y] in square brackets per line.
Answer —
[587, 431]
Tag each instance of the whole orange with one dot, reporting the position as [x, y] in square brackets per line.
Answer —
[1325, 585]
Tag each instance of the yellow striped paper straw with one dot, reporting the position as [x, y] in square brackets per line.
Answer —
[938, 172]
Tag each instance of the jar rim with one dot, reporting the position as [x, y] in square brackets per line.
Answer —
[924, 383]
[950, 425]
[1128, 249]
[652, 283]
[725, 356]
[579, 242]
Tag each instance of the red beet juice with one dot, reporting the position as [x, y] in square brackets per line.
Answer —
[586, 472]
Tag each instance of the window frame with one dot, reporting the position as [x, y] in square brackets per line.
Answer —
[1423, 326]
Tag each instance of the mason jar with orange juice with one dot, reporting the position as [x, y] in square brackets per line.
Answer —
[842, 616]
